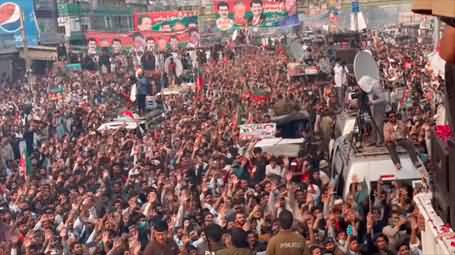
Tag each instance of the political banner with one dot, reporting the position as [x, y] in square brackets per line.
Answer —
[142, 41]
[235, 14]
[260, 131]
[10, 21]
[170, 21]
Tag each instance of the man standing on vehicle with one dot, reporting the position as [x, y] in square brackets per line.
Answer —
[142, 87]
[377, 103]
[340, 77]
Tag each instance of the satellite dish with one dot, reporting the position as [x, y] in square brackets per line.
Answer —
[365, 65]
[178, 65]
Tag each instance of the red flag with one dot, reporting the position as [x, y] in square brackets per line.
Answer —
[235, 119]
[200, 83]
[23, 165]
[128, 114]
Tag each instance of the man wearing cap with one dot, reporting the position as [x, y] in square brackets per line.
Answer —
[160, 244]
[331, 248]
[286, 241]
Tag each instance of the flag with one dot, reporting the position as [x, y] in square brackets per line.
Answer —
[128, 114]
[199, 82]
[133, 93]
[25, 165]
[235, 119]
[57, 90]
[259, 96]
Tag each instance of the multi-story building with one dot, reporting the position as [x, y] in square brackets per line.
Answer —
[46, 14]
[41, 50]
[77, 17]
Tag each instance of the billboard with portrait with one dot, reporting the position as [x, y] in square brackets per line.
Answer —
[10, 21]
[169, 21]
[142, 41]
[235, 14]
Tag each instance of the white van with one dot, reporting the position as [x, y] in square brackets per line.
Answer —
[371, 165]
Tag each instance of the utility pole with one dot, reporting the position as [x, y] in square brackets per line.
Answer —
[436, 32]
[25, 46]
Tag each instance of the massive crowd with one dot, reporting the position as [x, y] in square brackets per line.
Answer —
[191, 185]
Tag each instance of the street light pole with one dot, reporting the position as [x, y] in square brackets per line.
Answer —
[25, 44]
[436, 32]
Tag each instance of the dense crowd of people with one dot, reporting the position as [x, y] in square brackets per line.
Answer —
[191, 185]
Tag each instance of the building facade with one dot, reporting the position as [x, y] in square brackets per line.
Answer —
[76, 17]
[46, 14]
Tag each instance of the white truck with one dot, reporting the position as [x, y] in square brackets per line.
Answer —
[437, 238]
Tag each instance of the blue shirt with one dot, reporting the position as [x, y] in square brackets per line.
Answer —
[142, 86]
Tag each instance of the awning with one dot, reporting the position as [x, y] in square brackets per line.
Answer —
[44, 55]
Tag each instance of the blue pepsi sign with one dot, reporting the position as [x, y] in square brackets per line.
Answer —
[355, 7]
[10, 20]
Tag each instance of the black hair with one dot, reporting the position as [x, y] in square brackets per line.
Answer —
[137, 34]
[214, 232]
[286, 219]
[239, 238]
[255, 2]
[116, 40]
[386, 239]
[223, 3]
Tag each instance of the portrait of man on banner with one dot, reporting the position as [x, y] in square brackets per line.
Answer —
[162, 44]
[224, 22]
[144, 23]
[290, 7]
[257, 13]
[240, 10]
[138, 42]
[195, 38]
[150, 44]
[91, 46]
[173, 43]
[117, 46]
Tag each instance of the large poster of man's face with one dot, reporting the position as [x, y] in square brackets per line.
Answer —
[224, 22]
[162, 44]
[145, 23]
[138, 42]
[91, 46]
[150, 45]
[255, 13]
[117, 46]
[257, 9]
[239, 13]
[174, 43]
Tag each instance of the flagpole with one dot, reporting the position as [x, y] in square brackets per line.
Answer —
[25, 46]
[436, 32]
